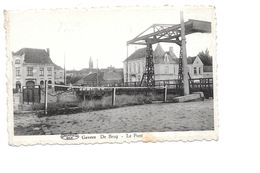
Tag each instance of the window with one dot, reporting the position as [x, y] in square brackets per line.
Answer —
[138, 68]
[130, 70]
[29, 71]
[141, 67]
[18, 85]
[166, 70]
[134, 68]
[166, 58]
[41, 71]
[139, 78]
[199, 70]
[17, 61]
[18, 71]
[49, 69]
[42, 83]
[49, 82]
[195, 70]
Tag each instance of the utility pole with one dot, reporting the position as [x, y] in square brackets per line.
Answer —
[184, 57]
[126, 68]
[97, 71]
[64, 70]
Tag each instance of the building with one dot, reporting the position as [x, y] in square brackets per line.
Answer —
[207, 66]
[104, 77]
[32, 67]
[88, 76]
[195, 67]
[200, 67]
[58, 74]
[165, 65]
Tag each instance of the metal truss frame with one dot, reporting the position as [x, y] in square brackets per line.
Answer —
[168, 33]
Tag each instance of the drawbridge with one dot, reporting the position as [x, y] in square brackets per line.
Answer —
[169, 33]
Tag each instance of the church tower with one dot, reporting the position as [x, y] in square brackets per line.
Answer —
[90, 63]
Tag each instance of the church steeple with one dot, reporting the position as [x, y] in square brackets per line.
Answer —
[90, 63]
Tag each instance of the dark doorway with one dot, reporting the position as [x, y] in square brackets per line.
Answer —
[49, 82]
[42, 84]
[31, 94]
[18, 86]
[30, 84]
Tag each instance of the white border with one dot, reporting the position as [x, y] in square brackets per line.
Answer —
[238, 147]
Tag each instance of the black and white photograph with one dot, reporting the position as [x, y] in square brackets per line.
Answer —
[117, 74]
[130, 86]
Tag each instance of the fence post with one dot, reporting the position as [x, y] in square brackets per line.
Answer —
[33, 94]
[39, 94]
[23, 94]
[165, 93]
[114, 97]
[46, 98]
[84, 96]
[209, 91]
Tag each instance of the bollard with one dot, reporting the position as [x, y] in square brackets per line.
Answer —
[165, 93]
[113, 96]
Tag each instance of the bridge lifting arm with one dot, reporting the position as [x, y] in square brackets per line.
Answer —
[170, 32]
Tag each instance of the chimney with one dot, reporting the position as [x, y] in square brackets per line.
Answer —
[48, 51]
[171, 49]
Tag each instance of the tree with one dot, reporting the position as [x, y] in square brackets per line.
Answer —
[205, 57]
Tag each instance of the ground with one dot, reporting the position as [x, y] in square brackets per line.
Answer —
[158, 117]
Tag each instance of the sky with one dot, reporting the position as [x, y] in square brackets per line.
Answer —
[100, 33]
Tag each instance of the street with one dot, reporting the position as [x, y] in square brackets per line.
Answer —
[143, 118]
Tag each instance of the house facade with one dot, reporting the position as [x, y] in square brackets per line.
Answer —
[32, 67]
[195, 67]
[165, 65]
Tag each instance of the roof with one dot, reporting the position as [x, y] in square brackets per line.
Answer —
[112, 75]
[35, 56]
[138, 54]
[158, 55]
[207, 61]
[92, 77]
[158, 52]
[56, 67]
[102, 76]
[190, 60]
